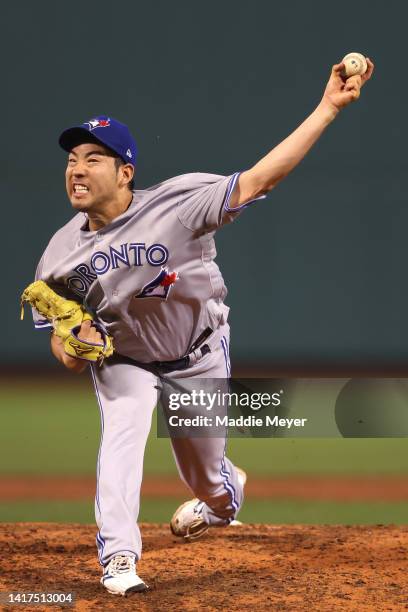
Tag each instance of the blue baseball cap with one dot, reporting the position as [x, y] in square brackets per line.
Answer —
[104, 130]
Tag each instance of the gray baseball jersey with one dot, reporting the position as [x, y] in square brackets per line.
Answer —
[151, 279]
[150, 275]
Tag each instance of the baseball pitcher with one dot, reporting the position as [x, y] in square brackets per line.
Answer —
[130, 287]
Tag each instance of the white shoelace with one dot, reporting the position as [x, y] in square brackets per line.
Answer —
[121, 564]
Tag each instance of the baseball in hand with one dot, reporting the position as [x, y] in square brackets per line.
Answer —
[354, 63]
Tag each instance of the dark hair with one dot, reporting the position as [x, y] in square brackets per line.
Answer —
[118, 163]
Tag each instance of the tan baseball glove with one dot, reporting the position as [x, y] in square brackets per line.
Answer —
[66, 317]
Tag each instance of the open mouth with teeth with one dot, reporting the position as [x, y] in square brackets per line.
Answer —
[80, 189]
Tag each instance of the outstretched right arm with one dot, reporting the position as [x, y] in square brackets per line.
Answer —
[276, 165]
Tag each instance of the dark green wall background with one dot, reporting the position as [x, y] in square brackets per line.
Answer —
[316, 271]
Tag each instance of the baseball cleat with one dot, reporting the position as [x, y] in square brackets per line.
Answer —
[120, 578]
[188, 522]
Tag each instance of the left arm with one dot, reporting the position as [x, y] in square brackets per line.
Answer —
[277, 164]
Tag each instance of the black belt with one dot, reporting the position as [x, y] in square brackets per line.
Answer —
[178, 364]
[184, 362]
[170, 366]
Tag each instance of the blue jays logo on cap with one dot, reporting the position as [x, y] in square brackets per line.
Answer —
[108, 131]
[94, 123]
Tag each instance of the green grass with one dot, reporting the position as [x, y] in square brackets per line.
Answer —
[54, 511]
[254, 511]
[56, 431]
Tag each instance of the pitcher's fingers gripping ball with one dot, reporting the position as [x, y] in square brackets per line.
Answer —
[354, 67]
[341, 90]
[67, 317]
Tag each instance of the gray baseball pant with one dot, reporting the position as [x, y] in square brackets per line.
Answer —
[127, 395]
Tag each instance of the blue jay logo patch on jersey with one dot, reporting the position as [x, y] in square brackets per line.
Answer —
[160, 286]
[95, 123]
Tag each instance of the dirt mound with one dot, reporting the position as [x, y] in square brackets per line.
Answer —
[236, 568]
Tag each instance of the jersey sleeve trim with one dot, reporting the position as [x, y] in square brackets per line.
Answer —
[230, 189]
[42, 324]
